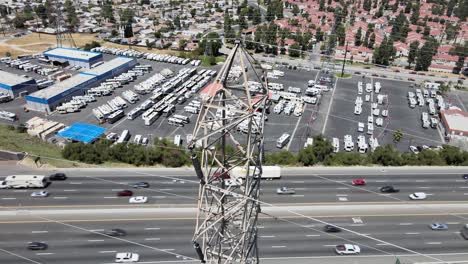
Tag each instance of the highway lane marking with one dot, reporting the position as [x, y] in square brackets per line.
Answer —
[168, 249]
[453, 223]
[159, 197]
[366, 256]
[60, 197]
[433, 243]
[342, 188]
[381, 181]
[45, 254]
[382, 244]
[194, 205]
[8, 198]
[20, 191]
[192, 218]
[298, 181]
[465, 194]
[342, 199]
[75, 183]
[357, 220]
[341, 195]
[108, 251]
[421, 181]
[301, 189]
[39, 232]
[116, 190]
[457, 232]
[357, 225]
[424, 187]
[278, 246]
[69, 190]
[95, 240]
[329, 245]
[406, 224]
[166, 189]
[312, 235]
[410, 233]
[110, 197]
[297, 195]
[463, 187]
[152, 238]
[96, 230]
[152, 228]
[267, 236]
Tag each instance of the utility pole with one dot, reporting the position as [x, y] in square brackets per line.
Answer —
[344, 60]
[226, 223]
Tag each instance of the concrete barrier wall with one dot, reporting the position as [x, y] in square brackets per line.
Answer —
[9, 155]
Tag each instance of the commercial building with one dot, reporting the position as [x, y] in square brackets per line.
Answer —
[15, 85]
[74, 57]
[455, 122]
[48, 99]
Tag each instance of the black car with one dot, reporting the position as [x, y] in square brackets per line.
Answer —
[58, 177]
[140, 185]
[37, 246]
[115, 232]
[465, 176]
[389, 189]
[331, 229]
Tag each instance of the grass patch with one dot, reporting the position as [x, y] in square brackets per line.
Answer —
[345, 76]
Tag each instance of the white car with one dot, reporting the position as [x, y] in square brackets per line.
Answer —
[285, 190]
[138, 200]
[347, 249]
[360, 127]
[126, 257]
[418, 196]
[379, 121]
[40, 194]
[376, 112]
[414, 149]
[385, 113]
[233, 182]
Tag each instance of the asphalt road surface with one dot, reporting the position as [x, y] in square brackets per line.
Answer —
[99, 188]
[72, 219]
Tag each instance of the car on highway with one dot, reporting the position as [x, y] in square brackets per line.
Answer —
[37, 246]
[40, 194]
[411, 79]
[115, 232]
[125, 193]
[347, 249]
[331, 229]
[138, 200]
[59, 176]
[140, 185]
[388, 189]
[465, 176]
[464, 232]
[127, 257]
[438, 226]
[418, 196]
[359, 182]
[285, 190]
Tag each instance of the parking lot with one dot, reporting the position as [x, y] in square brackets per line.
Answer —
[333, 117]
[343, 121]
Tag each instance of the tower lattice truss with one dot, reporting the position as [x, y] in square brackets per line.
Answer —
[227, 150]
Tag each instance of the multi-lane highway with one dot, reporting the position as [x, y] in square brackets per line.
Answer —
[72, 219]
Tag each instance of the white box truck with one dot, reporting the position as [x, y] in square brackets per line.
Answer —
[24, 181]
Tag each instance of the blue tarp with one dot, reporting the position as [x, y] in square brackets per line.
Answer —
[82, 132]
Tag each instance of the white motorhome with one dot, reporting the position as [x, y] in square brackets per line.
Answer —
[24, 181]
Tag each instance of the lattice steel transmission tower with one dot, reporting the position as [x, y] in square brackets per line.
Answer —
[62, 36]
[226, 227]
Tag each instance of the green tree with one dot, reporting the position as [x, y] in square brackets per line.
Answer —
[322, 5]
[450, 7]
[72, 18]
[322, 148]
[295, 10]
[453, 155]
[307, 157]
[93, 44]
[107, 11]
[357, 37]
[415, 15]
[386, 155]
[281, 158]
[430, 158]
[371, 41]
[294, 50]
[397, 135]
[413, 51]
[367, 5]
[425, 55]
[341, 35]
[345, 159]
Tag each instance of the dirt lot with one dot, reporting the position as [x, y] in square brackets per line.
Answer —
[37, 43]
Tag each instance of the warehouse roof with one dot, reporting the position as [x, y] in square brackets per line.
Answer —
[10, 79]
[72, 54]
[456, 120]
[108, 66]
[61, 87]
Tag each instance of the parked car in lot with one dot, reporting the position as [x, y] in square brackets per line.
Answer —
[347, 249]
[138, 200]
[438, 226]
[37, 246]
[331, 229]
[40, 194]
[414, 149]
[125, 193]
[140, 185]
[359, 182]
[59, 176]
[418, 196]
[285, 190]
[115, 232]
[388, 189]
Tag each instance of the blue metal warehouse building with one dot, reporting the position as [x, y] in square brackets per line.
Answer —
[74, 57]
[15, 85]
[48, 99]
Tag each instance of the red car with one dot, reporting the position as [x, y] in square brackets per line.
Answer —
[358, 182]
[125, 193]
